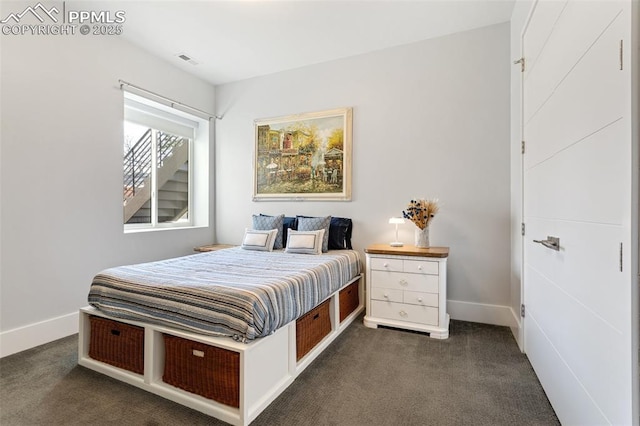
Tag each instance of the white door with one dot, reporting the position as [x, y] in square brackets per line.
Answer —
[577, 187]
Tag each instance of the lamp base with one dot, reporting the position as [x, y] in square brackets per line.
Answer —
[396, 244]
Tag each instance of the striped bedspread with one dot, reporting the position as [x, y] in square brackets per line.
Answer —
[234, 292]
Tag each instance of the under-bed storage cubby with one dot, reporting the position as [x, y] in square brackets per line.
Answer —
[349, 300]
[202, 369]
[311, 328]
[117, 344]
[261, 369]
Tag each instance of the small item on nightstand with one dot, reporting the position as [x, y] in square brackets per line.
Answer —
[396, 221]
[422, 237]
[421, 212]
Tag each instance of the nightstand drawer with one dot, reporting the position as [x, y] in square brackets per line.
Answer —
[384, 264]
[406, 313]
[419, 298]
[378, 293]
[404, 281]
[421, 267]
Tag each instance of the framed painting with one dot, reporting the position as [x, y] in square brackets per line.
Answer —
[303, 157]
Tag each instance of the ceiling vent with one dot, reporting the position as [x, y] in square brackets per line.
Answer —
[187, 58]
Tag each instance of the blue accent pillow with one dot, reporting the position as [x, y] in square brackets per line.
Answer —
[315, 224]
[264, 223]
[340, 233]
[287, 224]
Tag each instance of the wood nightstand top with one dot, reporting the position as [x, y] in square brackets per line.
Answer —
[408, 250]
[213, 247]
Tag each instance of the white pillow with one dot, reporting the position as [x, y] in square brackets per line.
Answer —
[305, 242]
[259, 240]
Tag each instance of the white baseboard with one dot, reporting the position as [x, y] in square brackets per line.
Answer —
[480, 312]
[32, 335]
[517, 330]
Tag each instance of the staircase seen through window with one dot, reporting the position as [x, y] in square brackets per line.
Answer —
[158, 167]
[156, 176]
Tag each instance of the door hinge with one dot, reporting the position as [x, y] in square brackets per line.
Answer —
[522, 229]
[620, 257]
[521, 62]
[621, 55]
[523, 147]
[522, 310]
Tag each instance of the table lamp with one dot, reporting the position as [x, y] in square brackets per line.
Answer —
[396, 221]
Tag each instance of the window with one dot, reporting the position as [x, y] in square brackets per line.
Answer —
[159, 174]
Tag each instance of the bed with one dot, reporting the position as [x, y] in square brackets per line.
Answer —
[223, 332]
[239, 293]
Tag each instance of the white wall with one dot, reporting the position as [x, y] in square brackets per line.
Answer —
[430, 119]
[61, 176]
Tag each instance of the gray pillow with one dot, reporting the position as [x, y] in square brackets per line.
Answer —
[315, 224]
[263, 222]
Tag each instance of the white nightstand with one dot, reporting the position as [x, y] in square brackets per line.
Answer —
[407, 288]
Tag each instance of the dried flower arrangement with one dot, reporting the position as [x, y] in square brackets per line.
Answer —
[421, 212]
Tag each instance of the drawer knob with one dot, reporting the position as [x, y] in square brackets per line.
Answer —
[403, 282]
[420, 299]
[403, 314]
[419, 267]
[386, 265]
[386, 295]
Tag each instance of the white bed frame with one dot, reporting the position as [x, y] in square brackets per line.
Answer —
[267, 365]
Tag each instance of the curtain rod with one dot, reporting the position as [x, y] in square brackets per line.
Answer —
[171, 101]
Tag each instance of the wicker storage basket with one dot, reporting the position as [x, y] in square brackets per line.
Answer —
[116, 343]
[202, 369]
[349, 300]
[311, 328]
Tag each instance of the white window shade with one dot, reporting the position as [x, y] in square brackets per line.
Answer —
[169, 122]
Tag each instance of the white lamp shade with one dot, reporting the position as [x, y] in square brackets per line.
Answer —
[396, 221]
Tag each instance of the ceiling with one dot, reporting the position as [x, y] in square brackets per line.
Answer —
[237, 40]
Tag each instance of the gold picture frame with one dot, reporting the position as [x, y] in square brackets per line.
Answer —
[303, 157]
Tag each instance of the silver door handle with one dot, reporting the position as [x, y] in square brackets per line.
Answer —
[551, 242]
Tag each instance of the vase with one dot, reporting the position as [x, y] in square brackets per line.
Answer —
[422, 237]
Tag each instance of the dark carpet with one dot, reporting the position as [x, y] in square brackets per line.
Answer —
[366, 377]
